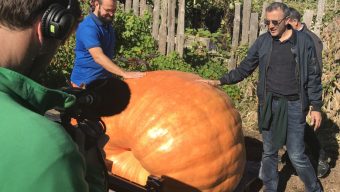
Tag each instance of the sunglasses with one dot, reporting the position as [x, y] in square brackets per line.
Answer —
[274, 22]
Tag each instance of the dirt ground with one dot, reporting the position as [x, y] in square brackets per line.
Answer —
[289, 181]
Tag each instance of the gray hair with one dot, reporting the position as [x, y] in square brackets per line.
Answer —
[278, 5]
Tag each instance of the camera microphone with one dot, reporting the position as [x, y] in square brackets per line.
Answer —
[103, 97]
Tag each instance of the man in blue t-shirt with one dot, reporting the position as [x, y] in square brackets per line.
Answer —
[95, 42]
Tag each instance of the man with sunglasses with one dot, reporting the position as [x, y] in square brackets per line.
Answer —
[95, 44]
[289, 83]
[314, 145]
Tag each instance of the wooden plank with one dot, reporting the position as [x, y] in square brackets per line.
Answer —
[171, 25]
[263, 27]
[319, 14]
[142, 7]
[163, 28]
[254, 28]
[236, 31]
[245, 21]
[236, 35]
[128, 4]
[155, 18]
[120, 5]
[180, 27]
[135, 6]
[308, 18]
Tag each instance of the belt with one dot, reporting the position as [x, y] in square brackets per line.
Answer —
[288, 97]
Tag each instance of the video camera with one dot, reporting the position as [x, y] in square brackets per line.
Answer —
[104, 97]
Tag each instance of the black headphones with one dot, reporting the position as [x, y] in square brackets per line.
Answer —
[57, 21]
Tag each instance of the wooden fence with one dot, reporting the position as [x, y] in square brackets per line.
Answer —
[165, 22]
[168, 28]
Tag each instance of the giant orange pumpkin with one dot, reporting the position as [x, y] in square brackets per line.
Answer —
[180, 128]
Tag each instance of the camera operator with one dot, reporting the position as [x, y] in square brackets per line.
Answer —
[36, 153]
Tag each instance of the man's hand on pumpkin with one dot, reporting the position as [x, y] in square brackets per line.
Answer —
[210, 82]
[133, 75]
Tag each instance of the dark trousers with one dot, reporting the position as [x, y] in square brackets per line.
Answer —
[295, 147]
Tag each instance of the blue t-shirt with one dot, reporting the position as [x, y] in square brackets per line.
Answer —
[92, 33]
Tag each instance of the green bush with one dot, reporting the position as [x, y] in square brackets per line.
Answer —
[134, 39]
[170, 62]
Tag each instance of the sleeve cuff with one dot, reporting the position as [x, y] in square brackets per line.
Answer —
[223, 81]
[316, 108]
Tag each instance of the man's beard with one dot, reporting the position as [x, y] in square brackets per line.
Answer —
[105, 20]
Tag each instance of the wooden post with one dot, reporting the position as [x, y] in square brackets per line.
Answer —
[254, 28]
[149, 8]
[142, 7]
[120, 5]
[308, 18]
[136, 7]
[155, 18]
[128, 4]
[171, 25]
[263, 27]
[163, 29]
[236, 36]
[320, 13]
[180, 27]
[245, 21]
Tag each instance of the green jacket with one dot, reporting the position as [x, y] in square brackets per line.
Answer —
[37, 154]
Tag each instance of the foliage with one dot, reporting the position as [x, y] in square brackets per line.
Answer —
[330, 15]
[134, 39]
[241, 52]
[301, 6]
[331, 71]
[170, 62]
[218, 44]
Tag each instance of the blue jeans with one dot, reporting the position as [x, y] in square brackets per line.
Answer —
[295, 148]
